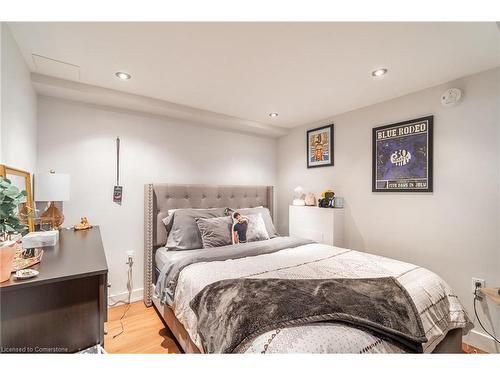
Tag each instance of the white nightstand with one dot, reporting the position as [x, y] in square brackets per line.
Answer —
[323, 225]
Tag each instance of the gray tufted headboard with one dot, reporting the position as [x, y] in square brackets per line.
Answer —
[159, 198]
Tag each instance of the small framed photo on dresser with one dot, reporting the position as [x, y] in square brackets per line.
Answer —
[402, 156]
[319, 147]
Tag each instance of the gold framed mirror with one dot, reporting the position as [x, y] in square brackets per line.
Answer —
[22, 180]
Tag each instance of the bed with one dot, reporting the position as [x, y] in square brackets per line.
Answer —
[178, 284]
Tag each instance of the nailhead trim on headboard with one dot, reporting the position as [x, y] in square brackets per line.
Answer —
[148, 244]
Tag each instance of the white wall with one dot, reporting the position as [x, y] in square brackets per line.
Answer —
[453, 231]
[79, 139]
[18, 109]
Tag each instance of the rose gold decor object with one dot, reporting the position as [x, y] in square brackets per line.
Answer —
[310, 199]
[84, 224]
[53, 215]
[7, 253]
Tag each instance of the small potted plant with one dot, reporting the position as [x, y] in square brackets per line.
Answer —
[10, 225]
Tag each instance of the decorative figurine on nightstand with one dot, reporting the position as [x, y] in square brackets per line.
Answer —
[84, 224]
[310, 199]
[327, 199]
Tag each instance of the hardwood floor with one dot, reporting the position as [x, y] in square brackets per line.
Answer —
[144, 331]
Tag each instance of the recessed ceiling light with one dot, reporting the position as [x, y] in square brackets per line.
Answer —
[379, 72]
[273, 114]
[123, 76]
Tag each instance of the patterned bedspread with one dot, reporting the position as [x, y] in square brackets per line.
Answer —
[438, 307]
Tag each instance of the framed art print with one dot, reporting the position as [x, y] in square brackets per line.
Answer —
[320, 147]
[402, 156]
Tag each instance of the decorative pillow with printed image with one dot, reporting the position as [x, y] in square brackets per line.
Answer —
[266, 216]
[248, 228]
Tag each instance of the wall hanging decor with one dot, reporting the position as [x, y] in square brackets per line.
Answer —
[319, 147]
[118, 190]
[402, 156]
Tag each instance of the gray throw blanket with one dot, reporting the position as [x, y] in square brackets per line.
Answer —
[232, 312]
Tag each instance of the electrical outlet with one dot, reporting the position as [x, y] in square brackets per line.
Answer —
[130, 256]
[476, 281]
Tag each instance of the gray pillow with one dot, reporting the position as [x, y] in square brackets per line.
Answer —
[266, 216]
[215, 231]
[183, 232]
[256, 230]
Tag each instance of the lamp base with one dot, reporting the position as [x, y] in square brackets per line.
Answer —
[53, 216]
[299, 202]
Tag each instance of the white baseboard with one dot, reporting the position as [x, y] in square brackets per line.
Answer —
[136, 295]
[482, 341]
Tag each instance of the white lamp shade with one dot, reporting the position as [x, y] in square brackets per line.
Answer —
[298, 189]
[51, 187]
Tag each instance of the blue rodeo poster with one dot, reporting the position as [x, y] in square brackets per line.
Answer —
[402, 156]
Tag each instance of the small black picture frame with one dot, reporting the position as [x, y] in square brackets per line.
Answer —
[402, 156]
[319, 147]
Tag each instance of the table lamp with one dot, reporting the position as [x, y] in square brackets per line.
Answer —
[52, 187]
[298, 198]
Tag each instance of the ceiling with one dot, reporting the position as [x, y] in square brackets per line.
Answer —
[303, 71]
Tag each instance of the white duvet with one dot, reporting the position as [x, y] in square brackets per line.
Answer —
[439, 308]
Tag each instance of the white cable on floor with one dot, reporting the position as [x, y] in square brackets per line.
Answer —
[129, 288]
[477, 297]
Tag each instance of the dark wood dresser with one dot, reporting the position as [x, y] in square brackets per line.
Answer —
[64, 308]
